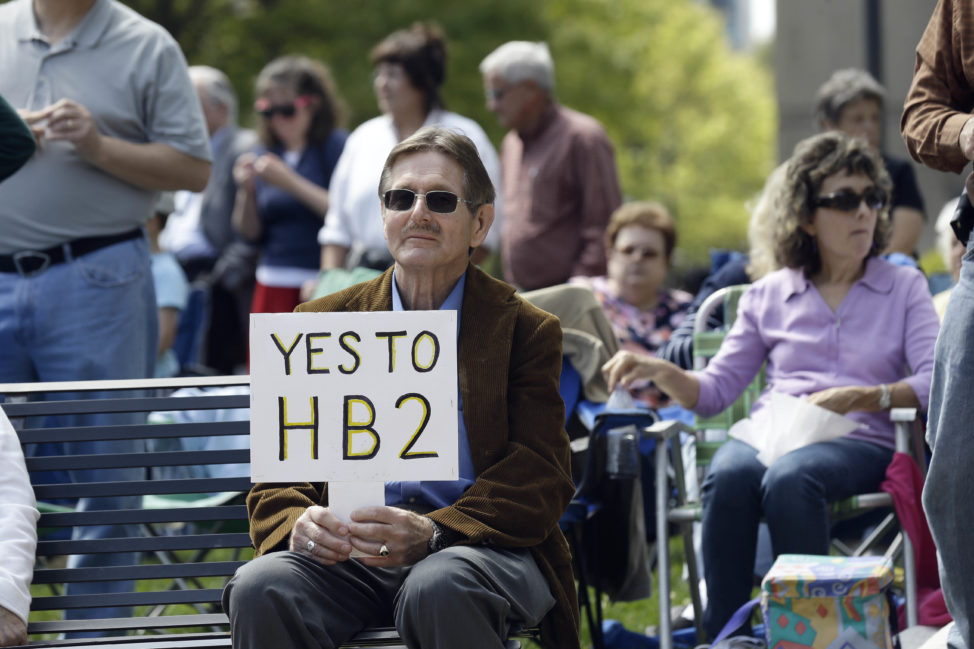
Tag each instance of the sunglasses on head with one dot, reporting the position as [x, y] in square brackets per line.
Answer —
[848, 200]
[267, 111]
[441, 202]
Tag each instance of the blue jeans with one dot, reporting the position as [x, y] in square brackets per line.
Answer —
[792, 495]
[93, 317]
[948, 496]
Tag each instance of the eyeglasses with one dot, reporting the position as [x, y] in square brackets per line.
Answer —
[441, 202]
[642, 253]
[848, 200]
[496, 94]
[267, 111]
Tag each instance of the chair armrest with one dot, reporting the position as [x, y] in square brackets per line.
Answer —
[594, 415]
[666, 429]
[902, 418]
[903, 414]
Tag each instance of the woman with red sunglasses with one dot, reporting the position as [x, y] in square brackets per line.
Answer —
[282, 194]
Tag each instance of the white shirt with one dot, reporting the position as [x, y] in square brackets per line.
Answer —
[18, 524]
[354, 216]
[183, 235]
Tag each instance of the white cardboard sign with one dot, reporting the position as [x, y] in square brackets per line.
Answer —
[353, 397]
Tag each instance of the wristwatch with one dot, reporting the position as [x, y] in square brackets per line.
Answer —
[884, 401]
[438, 541]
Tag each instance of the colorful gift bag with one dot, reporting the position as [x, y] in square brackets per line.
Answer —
[824, 602]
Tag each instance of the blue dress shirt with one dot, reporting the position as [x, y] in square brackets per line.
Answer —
[437, 493]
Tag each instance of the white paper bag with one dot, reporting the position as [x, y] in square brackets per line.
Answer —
[789, 423]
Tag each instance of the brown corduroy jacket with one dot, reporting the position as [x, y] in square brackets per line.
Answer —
[509, 356]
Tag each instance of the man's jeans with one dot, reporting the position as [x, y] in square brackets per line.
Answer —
[948, 497]
[88, 318]
[793, 495]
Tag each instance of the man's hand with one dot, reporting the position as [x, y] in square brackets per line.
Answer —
[840, 400]
[966, 139]
[406, 535]
[13, 631]
[70, 121]
[36, 120]
[329, 533]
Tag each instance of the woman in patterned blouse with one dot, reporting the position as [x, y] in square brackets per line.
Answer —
[639, 243]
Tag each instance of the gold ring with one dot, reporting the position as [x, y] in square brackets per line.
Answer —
[384, 551]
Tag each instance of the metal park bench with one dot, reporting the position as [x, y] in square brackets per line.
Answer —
[192, 531]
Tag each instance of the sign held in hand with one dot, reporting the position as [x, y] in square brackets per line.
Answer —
[353, 397]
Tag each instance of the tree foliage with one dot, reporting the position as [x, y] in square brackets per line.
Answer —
[693, 123]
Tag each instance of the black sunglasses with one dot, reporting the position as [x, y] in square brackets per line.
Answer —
[848, 200]
[266, 110]
[441, 202]
[286, 110]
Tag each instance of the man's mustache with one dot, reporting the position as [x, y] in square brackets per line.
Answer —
[431, 228]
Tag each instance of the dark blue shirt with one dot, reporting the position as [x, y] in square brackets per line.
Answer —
[290, 228]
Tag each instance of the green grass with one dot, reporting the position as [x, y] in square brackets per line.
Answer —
[636, 616]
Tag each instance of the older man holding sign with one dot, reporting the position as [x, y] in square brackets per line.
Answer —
[452, 563]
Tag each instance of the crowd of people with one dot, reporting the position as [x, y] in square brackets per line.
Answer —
[127, 186]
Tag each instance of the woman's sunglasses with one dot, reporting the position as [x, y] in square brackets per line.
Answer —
[848, 200]
[267, 111]
[441, 202]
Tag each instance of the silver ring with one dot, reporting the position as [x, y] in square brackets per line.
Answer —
[311, 547]
[384, 551]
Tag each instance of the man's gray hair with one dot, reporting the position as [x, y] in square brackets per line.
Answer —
[217, 88]
[518, 61]
[842, 88]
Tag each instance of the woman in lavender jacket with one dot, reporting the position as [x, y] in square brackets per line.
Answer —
[837, 326]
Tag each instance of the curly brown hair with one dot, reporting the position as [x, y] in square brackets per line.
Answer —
[305, 77]
[815, 159]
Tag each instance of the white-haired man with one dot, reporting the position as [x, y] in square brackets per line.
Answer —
[558, 168]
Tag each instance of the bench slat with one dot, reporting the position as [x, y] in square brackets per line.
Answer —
[140, 488]
[167, 641]
[123, 623]
[112, 573]
[191, 596]
[134, 431]
[188, 514]
[125, 404]
[144, 544]
[129, 460]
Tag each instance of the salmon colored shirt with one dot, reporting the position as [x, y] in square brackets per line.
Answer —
[560, 187]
